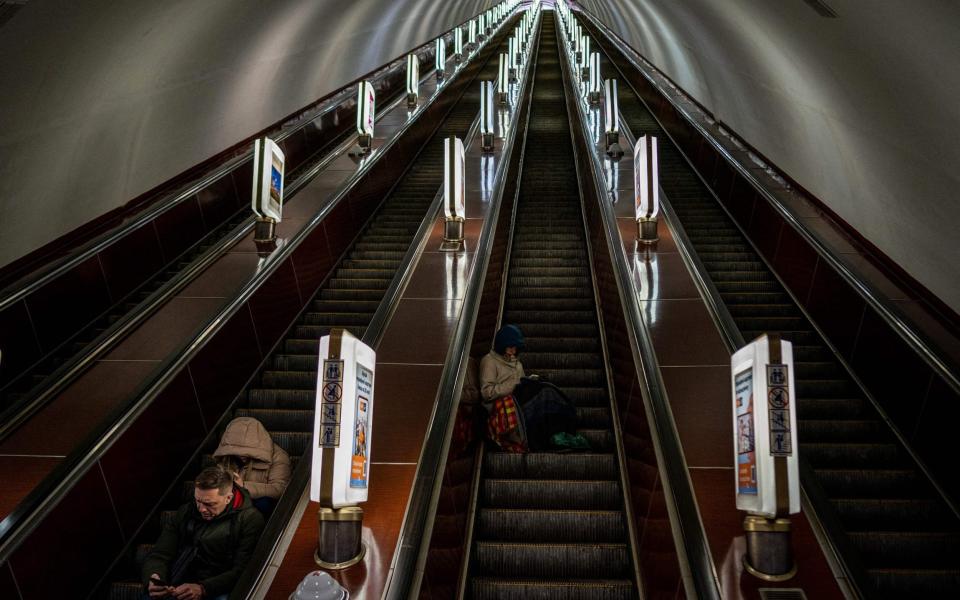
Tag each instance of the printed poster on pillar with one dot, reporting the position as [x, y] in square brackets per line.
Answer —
[359, 464]
[746, 434]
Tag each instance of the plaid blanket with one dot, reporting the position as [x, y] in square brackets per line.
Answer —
[505, 425]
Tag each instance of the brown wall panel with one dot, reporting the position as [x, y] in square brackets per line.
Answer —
[179, 228]
[131, 261]
[63, 306]
[73, 545]
[152, 451]
[17, 342]
[219, 369]
[275, 305]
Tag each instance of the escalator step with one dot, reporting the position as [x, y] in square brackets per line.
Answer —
[552, 561]
[551, 493]
[536, 465]
[890, 514]
[869, 483]
[490, 588]
[908, 549]
[287, 399]
[277, 419]
[550, 526]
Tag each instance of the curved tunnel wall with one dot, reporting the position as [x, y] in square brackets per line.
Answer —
[102, 100]
[862, 110]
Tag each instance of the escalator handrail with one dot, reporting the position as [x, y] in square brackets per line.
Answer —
[31, 282]
[693, 550]
[413, 542]
[25, 517]
[917, 340]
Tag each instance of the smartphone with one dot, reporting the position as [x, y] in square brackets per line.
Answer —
[158, 582]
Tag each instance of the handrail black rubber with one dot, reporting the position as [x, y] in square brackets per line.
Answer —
[693, 550]
[38, 503]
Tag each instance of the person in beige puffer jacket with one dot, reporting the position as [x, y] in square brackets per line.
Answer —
[260, 465]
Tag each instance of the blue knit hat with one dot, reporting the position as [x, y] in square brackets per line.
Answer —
[509, 335]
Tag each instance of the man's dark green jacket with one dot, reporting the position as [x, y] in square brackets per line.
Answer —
[225, 544]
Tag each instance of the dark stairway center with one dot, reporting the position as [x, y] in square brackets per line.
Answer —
[553, 525]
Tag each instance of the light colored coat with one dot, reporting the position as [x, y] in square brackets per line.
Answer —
[498, 376]
[268, 471]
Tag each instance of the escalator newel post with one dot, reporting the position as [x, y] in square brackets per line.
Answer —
[767, 476]
[646, 187]
[454, 193]
[366, 110]
[340, 469]
[267, 195]
[611, 119]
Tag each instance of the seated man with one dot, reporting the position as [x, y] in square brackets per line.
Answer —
[204, 548]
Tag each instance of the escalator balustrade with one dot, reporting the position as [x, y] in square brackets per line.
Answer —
[282, 396]
[907, 538]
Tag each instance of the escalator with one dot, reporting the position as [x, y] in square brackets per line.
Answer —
[282, 394]
[552, 525]
[35, 380]
[904, 536]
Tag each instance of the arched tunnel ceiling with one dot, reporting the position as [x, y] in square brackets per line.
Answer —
[861, 109]
[104, 100]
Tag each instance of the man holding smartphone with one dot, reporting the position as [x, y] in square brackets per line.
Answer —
[206, 546]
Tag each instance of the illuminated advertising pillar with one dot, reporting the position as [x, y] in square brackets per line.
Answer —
[413, 80]
[503, 81]
[366, 113]
[646, 188]
[765, 452]
[267, 195]
[342, 434]
[487, 127]
[454, 194]
[593, 88]
[611, 119]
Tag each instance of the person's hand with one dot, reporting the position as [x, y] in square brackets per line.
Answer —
[188, 591]
[533, 376]
[237, 479]
[158, 591]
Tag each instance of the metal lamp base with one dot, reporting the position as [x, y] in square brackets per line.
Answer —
[647, 231]
[502, 99]
[594, 97]
[340, 537]
[439, 74]
[412, 100]
[769, 551]
[453, 236]
[512, 75]
[584, 74]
